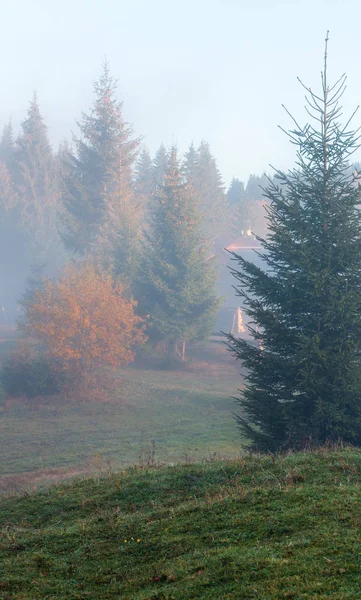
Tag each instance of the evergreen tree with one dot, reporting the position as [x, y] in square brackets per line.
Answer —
[160, 165]
[178, 276]
[35, 180]
[235, 194]
[236, 210]
[190, 166]
[98, 175]
[7, 147]
[255, 186]
[305, 384]
[206, 181]
[144, 180]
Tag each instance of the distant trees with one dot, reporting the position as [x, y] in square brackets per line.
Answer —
[202, 175]
[29, 196]
[142, 220]
[304, 386]
[144, 181]
[245, 207]
[83, 319]
[101, 213]
[178, 274]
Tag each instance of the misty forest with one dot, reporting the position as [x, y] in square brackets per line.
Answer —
[175, 344]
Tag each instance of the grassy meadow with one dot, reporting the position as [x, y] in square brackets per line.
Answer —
[147, 416]
[260, 528]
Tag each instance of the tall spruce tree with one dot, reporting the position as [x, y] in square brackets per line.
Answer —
[177, 287]
[190, 165]
[160, 164]
[35, 179]
[144, 179]
[304, 386]
[205, 179]
[7, 146]
[97, 177]
[236, 210]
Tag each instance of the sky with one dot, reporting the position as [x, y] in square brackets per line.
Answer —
[217, 70]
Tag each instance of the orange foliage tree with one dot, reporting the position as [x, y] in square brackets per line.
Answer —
[84, 319]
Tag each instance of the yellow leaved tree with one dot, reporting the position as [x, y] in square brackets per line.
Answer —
[83, 319]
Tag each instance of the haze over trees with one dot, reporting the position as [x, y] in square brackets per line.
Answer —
[178, 273]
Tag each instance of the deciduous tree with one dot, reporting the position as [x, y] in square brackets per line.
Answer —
[83, 319]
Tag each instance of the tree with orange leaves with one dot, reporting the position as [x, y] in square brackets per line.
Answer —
[83, 319]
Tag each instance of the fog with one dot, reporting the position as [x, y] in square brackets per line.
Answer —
[106, 103]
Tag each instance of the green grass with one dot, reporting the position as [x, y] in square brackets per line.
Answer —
[184, 413]
[252, 528]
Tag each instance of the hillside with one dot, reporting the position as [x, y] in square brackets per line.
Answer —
[259, 528]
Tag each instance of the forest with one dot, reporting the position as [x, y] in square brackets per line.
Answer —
[98, 198]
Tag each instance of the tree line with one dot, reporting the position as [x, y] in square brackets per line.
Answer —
[155, 224]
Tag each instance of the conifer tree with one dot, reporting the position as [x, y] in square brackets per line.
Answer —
[236, 210]
[178, 276]
[236, 192]
[160, 164]
[304, 386]
[98, 175]
[204, 177]
[190, 165]
[144, 180]
[7, 147]
[35, 180]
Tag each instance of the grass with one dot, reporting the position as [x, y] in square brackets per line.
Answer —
[252, 528]
[185, 413]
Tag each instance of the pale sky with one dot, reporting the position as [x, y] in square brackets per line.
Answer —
[189, 70]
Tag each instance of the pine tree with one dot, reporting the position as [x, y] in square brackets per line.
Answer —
[305, 385]
[236, 192]
[190, 165]
[206, 181]
[255, 186]
[160, 164]
[144, 180]
[98, 175]
[178, 275]
[7, 147]
[35, 180]
[236, 210]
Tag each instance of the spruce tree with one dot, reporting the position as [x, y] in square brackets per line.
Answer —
[7, 147]
[304, 385]
[236, 210]
[160, 164]
[144, 180]
[177, 284]
[190, 165]
[35, 181]
[97, 176]
[206, 181]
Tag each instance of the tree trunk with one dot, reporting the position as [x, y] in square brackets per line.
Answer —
[183, 351]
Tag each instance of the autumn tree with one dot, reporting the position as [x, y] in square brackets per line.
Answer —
[177, 280]
[83, 319]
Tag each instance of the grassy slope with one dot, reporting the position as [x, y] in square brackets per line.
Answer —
[253, 528]
[183, 412]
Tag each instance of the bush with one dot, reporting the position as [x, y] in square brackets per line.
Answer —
[24, 374]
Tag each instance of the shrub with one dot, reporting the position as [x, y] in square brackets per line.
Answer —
[24, 374]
